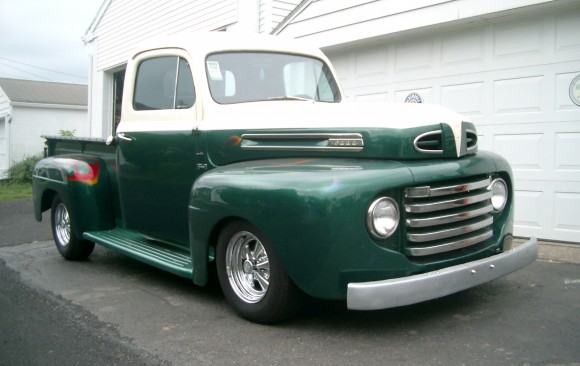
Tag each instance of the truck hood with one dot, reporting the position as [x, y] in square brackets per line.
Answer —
[365, 130]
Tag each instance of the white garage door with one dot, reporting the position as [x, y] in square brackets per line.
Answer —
[513, 80]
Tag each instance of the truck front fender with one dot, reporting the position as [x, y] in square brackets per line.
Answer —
[82, 181]
[313, 211]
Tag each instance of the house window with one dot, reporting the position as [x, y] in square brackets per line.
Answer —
[164, 83]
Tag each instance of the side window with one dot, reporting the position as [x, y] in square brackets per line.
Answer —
[163, 83]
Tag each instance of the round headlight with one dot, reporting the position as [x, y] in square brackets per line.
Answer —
[383, 217]
[499, 194]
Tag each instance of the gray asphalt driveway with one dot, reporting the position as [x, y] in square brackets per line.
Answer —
[17, 223]
[114, 310]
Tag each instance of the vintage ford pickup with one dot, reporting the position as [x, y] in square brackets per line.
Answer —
[242, 153]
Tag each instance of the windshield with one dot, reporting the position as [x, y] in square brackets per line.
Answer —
[238, 77]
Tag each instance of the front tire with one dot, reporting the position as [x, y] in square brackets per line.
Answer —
[252, 277]
[67, 243]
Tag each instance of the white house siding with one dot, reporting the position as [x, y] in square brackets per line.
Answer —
[340, 22]
[128, 22]
[30, 122]
[511, 77]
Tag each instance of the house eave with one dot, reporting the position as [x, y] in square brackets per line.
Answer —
[90, 32]
[290, 17]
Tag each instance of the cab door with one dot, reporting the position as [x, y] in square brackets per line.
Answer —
[157, 145]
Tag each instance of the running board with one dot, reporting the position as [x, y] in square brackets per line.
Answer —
[144, 249]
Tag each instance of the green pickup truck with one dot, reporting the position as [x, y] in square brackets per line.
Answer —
[242, 153]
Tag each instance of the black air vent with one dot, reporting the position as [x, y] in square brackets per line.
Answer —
[429, 142]
[471, 140]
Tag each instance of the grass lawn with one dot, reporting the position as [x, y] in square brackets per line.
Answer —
[14, 191]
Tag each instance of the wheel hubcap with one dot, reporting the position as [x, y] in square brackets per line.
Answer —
[62, 225]
[248, 267]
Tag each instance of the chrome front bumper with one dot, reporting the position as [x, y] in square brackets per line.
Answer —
[414, 289]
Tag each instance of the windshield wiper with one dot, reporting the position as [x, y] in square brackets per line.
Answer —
[292, 97]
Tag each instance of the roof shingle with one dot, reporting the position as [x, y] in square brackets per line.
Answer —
[29, 91]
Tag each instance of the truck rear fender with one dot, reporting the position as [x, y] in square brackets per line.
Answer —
[82, 181]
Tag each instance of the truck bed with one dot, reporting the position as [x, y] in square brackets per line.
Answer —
[59, 145]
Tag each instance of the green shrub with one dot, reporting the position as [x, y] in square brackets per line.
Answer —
[21, 172]
[67, 133]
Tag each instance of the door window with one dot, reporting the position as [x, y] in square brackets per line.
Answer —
[164, 83]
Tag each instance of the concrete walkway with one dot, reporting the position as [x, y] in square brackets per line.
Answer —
[555, 252]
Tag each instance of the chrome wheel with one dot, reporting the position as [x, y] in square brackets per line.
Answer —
[252, 276]
[62, 225]
[67, 242]
[248, 267]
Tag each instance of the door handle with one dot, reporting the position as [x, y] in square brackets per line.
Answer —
[123, 137]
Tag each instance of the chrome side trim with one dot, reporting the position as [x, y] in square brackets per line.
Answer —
[447, 219]
[48, 179]
[427, 191]
[298, 136]
[447, 247]
[427, 286]
[315, 141]
[443, 205]
[423, 135]
[447, 233]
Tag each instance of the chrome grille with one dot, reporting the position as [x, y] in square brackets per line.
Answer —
[442, 218]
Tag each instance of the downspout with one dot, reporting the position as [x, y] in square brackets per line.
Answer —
[7, 134]
[90, 90]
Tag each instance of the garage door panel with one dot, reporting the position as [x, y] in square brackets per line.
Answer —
[523, 151]
[534, 209]
[411, 57]
[529, 201]
[567, 211]
[567, 156]
[463, 52]
[467, 99]
[537, 151]
[547, 210]
[371, 63]
[528, 34]
[567, 31]
[520, 95]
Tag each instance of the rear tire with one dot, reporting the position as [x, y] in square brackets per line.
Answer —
[252, 277]
[67, 242]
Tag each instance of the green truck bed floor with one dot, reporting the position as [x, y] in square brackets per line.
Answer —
[144, 249]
